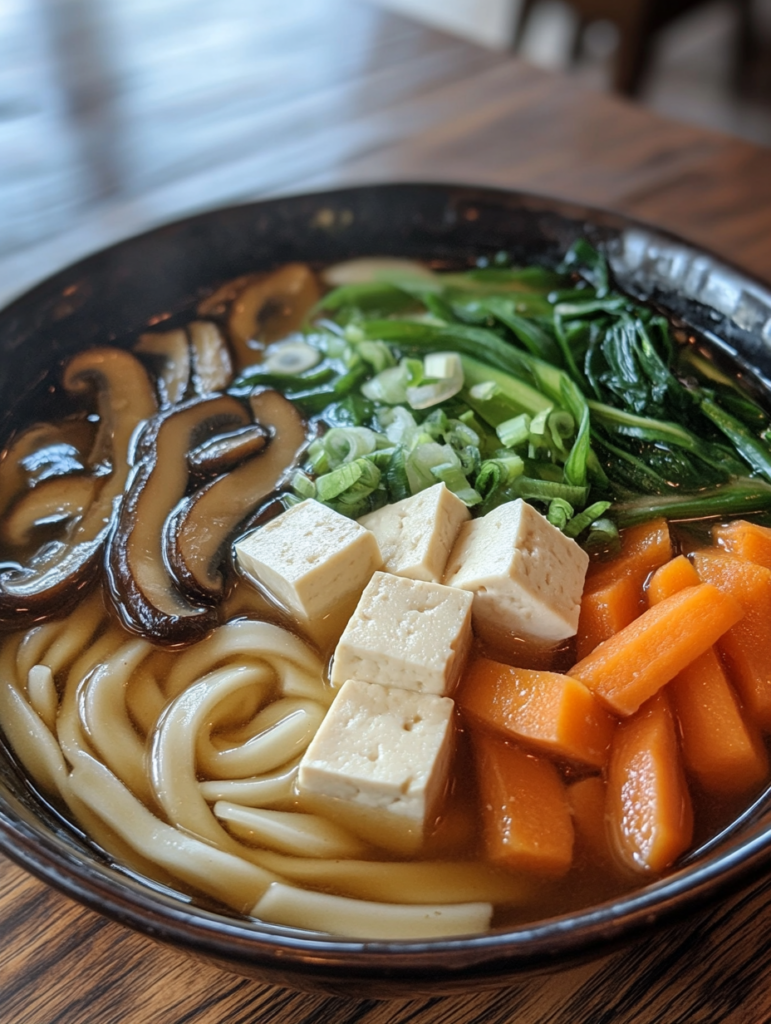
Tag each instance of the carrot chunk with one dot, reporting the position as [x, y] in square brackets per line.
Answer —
[723, 752]
[587, 799]
[650, 818]
[613, 592]
[545, 710]
[606, 610]
[643, 549]
[746, 647]
[674, 575]
[747, 540]
[525, 812]
[630, 667]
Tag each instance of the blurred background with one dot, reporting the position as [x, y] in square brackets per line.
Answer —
[704, 62]
[118, 114]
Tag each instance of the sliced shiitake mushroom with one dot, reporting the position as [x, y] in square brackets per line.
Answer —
[143, 590]
[200, 530]
[125, 398]
[269, 309]
[43, 450]
[225, 451]
[54, 501]
[169, 353]
[217, 303]
[212, 364]
[192, 362]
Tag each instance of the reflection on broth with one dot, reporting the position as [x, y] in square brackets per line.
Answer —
[262, 541]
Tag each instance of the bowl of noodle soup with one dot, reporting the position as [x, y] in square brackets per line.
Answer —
[98, 720]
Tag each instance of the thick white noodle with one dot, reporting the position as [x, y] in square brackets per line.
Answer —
[183, 765]
[201, 865]
[42, 694]
[145, 698]
[404, 881]
[34, 644]
[69, 728]
[271, 790]
[103, 713]
[301, 835]
[360, 919]
[246, 641]
[172, 755]
[280, 732]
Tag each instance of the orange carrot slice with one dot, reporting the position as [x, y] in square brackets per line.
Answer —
[630, 667]
[723, 752]
[606, 610]
[587, 799]
[643, 549]
[545, 710]
[747, 540]
[526, 817]
[746, 647]
[677, 574]
[650, 818]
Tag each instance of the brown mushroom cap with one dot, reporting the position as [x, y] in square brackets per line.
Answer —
[199, 532]
[169, 351]
[224, 452]
[41, 451]
[269, 309]
[53, 501]
[145, 594]
[49, 581]
[212, 363]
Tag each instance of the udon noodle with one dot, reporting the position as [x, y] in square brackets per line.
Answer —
[152, 752]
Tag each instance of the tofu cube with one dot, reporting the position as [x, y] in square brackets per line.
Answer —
[380, 761]
[526, 576]
[406, 634]
[416, 535]
[310, 559]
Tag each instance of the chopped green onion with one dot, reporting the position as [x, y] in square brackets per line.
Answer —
[560, 511]
[391, 385]
[341, 444]
[585, 519]
[443, 378]
[338, 480]
[302, 485]
[377, 354]
[602, 536]
[290, 357]
[546, 490]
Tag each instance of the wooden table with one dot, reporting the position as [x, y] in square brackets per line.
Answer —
[124, 114]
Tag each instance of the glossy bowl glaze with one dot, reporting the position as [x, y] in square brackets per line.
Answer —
[109, 297]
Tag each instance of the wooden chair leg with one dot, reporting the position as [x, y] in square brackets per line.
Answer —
[578, 38]
[634, 48]
[524, 15]
[746, 44]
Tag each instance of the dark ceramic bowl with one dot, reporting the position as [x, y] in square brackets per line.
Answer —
[110, 296]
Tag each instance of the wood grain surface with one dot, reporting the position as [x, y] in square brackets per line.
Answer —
[62, 964]
[116, 115]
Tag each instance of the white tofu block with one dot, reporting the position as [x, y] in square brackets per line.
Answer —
[526, 576]
[379, 762]
[310, 558]
[416, 535]
[407, 634]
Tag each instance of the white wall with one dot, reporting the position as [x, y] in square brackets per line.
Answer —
[490, 22]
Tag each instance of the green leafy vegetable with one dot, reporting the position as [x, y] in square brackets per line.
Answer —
[529, 382]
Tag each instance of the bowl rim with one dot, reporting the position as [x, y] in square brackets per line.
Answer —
[498, 954]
